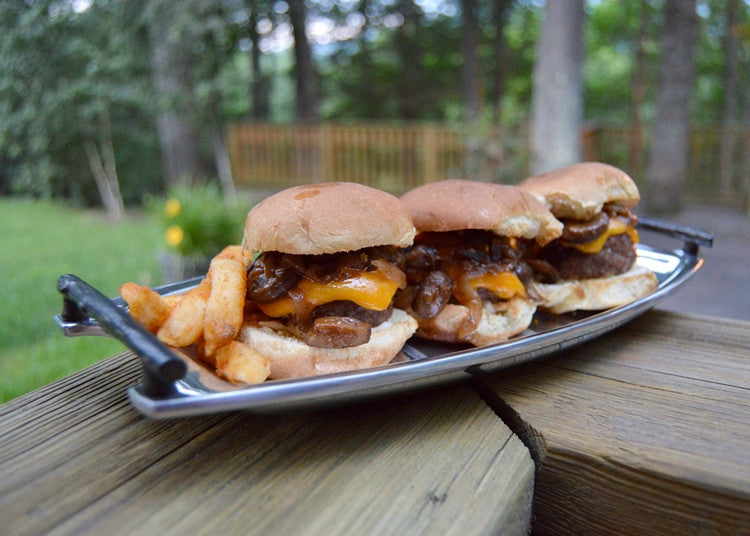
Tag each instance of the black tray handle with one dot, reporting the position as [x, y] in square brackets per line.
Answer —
[693, 238]
[161, 368]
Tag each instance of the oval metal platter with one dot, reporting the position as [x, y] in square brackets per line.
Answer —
[175, 385]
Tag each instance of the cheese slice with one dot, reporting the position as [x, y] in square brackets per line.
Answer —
[616, 226]
[504, 285]
[371, 290]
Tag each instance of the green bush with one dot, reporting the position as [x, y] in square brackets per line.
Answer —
[197, 221]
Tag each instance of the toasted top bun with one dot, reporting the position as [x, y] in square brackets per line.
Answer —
[580, 191]
[327, 218]
[457, 204]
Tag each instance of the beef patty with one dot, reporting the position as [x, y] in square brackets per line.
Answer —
[616, 257]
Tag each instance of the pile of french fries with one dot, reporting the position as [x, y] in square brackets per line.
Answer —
[207, 318]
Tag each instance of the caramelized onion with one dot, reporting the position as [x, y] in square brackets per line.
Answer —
[337, 332]
[432, 294]
[391, 271]
[581, 232]
[467, 296]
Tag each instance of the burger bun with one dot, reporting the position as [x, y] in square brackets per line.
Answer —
[290, 357]
[580, 191]
[457, 204]
[328, 217]
[598, 293]
[495, 325]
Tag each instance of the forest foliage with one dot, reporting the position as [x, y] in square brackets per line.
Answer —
[91, 85]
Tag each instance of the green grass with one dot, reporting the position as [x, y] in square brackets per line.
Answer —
[41, 241]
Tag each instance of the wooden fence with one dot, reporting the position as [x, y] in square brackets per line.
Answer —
[398, 157]
[393, 158]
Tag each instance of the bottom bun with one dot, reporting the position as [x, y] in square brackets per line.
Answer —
[494, 326]
[292, 358]
[596, 294]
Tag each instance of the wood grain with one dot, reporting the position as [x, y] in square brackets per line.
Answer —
[75, 458]
[643, 431]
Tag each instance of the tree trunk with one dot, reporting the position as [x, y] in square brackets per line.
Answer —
[635, 165]
[557, 98]
[729, 123]
[104, 169]
[221, 153]
[500, 10]
[175, 121]
[259, 89]
[670, 148]
[371, 103]
[745, 168]
[306, 77]
[471, 69]
[409, 55]
[472, 88]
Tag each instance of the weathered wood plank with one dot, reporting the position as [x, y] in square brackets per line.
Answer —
[75, 458]
[643, 431]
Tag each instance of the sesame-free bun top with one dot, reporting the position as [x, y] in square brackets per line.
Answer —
[459, 204]
[580, 191]
[327, 218]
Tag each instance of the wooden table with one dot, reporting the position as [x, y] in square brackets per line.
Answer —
[644, 430]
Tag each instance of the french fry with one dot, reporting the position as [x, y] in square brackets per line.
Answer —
[200, 353]
[173, 299]
[237, 253]
[226, 302]
[185, 322]
[145, 305]
[238, 362]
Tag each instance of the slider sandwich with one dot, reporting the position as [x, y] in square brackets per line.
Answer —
[467, 272]
[320, 289]
[591, 266]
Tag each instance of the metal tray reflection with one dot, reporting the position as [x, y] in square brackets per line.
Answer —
[175, 385]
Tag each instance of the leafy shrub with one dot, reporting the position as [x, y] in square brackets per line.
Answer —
[197, 221]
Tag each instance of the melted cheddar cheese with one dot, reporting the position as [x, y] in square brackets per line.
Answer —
[371, 290]
[504, 285]
[616, 227]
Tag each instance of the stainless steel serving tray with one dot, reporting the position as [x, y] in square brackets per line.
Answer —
[175, 385]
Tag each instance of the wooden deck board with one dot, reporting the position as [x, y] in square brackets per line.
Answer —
[643, 431]
[77, 459]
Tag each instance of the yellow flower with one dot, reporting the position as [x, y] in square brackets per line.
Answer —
[172, 208]
[174, 235]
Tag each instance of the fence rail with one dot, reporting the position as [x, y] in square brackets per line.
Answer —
[392, 158]
[398, 157]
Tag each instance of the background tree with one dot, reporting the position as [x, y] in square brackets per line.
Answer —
[259, 89]
[499, 68]
[176, 121]
[81, 86]
[669, 154]
[557, 105]
[471, 71]
[639, 91]
[66, 108]
[410, 54]
[730, 120]
[304, 68]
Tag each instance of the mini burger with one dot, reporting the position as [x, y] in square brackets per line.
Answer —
[591, 266]
[322, 282]
[466, 272]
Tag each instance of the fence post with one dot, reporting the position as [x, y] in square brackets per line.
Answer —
[429, 151]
